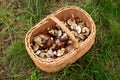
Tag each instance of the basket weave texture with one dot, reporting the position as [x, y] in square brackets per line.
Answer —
[55, 18]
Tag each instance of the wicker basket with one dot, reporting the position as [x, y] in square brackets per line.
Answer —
[81, 48]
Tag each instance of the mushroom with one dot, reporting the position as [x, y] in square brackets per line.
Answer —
[73, 26]
[69, 42]
[60, 52]
[59, 45]
[44, 55]
[54, 52]
[52, 38]
[71, 21]
[49, 43]
[77, 20]
[82, 37]
[64, 37]
[69, 48]
[53, 46]
[38, 52]
[59, 33]
[85, 31]
[35, 47]
[52, 32]
[44, 36]
[74, 33]
[81, 23]
[50, 53]
[78, 29]
[38, 41]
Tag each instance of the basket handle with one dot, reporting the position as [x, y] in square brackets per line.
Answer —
[64, 28]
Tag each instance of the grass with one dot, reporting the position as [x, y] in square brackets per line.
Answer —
[18, 61]
[100, 63]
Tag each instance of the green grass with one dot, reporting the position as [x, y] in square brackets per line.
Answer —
[102, 62]
[18, 61]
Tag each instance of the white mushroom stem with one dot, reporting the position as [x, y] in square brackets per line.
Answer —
[54, 52]
[59, 33]
[64, 35]
[78, 29]
[38, 52]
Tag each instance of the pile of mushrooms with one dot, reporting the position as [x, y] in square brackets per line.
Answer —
[78, 28]
[55, 42]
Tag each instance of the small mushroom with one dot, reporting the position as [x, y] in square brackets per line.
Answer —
[54, 52]
[59, 33]
[85, 31]
[35, 47]
[77, 20]
[82, 37]
[45, 50]
[78, 29]
[52, 32]
[60, 52]
[44, 36]
[69, 42]
[74, 33]
[50, 53]
[54, 55]
[69, 48]
[81, 23]
[48, 29]
[64, 37]
[38, 41]
[53, 46]
[44, 55]
[59, 45]
[38, 52]
[49, 43]
[71, 21]
[73, 26]
[57, 41]
[51, 38]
